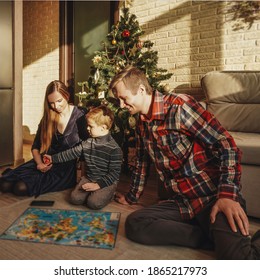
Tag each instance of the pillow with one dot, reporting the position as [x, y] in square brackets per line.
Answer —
[234, 98]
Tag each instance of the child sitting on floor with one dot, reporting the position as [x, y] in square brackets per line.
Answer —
[102, 157]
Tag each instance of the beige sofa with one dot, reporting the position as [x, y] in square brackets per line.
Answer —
[234, 98]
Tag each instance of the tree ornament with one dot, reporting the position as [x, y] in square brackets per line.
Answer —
[96, 76]
[126, 33]
[114, 33]
[127, 132]
[96, 59]
[101, 95]
[80, 104]
[82, 95]
[167, 88]
[104, 102]
[121, 63]
[139, 45]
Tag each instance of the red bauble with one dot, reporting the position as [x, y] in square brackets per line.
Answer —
[46, 160]
[126, 33]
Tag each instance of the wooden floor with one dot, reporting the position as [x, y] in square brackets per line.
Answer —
[10, 205]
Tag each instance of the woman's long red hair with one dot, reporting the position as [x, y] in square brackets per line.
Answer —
[50, 118]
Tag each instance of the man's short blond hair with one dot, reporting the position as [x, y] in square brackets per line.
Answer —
[132, 78]
[101, 115]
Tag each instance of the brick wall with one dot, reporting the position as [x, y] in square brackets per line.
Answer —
[40, 58]
[194, 37]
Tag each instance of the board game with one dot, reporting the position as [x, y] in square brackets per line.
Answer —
[66, 227]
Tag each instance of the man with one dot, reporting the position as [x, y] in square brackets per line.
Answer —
[199, 163]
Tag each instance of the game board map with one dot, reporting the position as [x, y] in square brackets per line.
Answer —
[65, 227]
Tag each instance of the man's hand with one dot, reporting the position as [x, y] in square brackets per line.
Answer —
[90, 187]
[120, 198]
[235, 214]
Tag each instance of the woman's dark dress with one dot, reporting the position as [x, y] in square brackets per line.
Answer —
[62, 175]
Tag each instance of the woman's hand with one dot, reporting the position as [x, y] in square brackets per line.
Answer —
[43, 167]
[47, 159]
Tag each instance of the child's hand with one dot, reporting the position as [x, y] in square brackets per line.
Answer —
[90, 187]
[47, 159]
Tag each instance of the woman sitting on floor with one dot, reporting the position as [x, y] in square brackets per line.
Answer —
[62, 126]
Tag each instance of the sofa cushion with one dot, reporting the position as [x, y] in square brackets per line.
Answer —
[249, 143]
[237, 117]
[234, 98]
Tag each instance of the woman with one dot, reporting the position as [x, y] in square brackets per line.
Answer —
[62, 126]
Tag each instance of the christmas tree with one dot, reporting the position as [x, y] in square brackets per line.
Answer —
[123, 47]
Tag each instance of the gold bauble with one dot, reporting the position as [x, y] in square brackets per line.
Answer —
[113, 42]
[104, 102]
[167, 88]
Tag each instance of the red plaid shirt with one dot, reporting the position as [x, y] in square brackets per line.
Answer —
[195, 157]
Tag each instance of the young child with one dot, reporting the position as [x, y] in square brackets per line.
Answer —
[102, 157]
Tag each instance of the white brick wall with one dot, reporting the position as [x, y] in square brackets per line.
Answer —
[191, 37]
[41, 59]
[194, 37]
